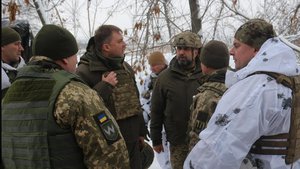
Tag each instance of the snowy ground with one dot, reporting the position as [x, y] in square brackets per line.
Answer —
[155, 164]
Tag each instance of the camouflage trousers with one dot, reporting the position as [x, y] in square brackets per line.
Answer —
[178, 154]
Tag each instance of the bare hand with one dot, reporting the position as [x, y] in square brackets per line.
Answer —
[158, 148]
[141, 142]
[110, 78]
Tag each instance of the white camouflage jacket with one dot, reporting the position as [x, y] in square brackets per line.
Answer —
[252, 106]
[6, 67]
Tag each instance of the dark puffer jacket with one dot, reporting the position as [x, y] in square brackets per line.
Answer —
[171, 100]
[91, 67]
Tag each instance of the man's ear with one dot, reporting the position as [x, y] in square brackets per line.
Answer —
[62, 62]
[105, 47]
[196, 52]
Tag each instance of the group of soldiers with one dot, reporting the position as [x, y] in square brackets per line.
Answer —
[57, 113]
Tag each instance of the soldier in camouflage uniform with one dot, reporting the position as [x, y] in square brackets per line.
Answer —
[103, 68]
[51, 119]
[172, 97]
[214, 59]
[254, 105]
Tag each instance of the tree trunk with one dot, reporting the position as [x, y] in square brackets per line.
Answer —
[168, 20]
[40, 12]
[195, 17]
[147, 31]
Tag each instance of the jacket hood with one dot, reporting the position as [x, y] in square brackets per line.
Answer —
[273, 56]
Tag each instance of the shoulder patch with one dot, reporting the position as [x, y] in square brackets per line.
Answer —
[108, 128]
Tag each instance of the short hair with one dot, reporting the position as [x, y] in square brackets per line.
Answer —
[104, 33]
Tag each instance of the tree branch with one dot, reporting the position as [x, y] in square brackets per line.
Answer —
[234, 10]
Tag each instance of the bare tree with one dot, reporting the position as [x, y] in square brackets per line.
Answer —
[155, 22]
[195, 16]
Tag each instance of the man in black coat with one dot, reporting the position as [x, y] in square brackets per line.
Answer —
[172, 97]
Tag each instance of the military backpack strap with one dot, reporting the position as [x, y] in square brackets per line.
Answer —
[287, 144]
[294, 140]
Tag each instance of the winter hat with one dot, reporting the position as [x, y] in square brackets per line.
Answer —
[156, 58]
[215, 55]
[255, 32]
[54, 42]
[9, 35]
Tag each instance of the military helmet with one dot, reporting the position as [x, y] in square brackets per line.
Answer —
[147, 155]
[187, 39]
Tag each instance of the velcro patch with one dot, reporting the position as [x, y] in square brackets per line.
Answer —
[108, 128]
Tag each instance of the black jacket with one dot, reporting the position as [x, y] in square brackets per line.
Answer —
[91, 68]
[171, 100]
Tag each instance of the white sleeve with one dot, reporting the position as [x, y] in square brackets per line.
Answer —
[5, 80]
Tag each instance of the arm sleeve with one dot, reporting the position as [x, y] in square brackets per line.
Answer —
[143, 128]
[204, 105]
[75, 107]
[103, 89]
[157, 113]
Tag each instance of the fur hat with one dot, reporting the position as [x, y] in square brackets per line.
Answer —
[157, 58]
[9, 35]
[255, 32]
[54, 42]
[215, 55]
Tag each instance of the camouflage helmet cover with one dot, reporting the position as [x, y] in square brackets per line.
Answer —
[187, 39]
[255, 32]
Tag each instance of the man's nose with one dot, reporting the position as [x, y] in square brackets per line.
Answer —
[21, 47]
[231, 51]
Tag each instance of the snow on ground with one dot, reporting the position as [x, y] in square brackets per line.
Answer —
[155, 164]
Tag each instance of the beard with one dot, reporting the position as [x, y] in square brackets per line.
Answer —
[184, 62]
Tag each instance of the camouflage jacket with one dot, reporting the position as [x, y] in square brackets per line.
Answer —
[78, 107]
[204, 105]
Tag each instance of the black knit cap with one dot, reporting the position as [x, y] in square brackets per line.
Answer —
[215, 55]
[54, 42]
[9, 35]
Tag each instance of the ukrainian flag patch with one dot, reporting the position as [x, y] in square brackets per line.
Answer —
[102, 117]
[109, 130]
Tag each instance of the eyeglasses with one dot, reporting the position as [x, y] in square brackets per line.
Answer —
[183, 48]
